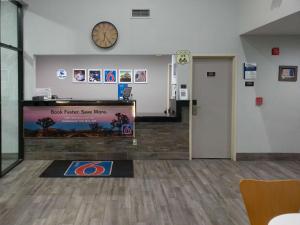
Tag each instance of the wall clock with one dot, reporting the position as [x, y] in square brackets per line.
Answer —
[105, 34]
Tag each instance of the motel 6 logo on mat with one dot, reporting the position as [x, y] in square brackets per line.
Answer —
[126, 129]
[89, 168]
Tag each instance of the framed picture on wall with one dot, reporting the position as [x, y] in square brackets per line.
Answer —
[140, 76]
[61, 74]
[125, 76]
[110, 76]
[79, 75]
[288, 73]
[94, 76]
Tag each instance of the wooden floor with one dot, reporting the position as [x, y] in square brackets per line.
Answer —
[198, 192]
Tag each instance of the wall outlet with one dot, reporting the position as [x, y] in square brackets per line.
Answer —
[134, 141]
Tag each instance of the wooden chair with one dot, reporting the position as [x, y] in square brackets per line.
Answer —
[266, 199]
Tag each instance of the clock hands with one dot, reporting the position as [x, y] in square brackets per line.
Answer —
[105, 39]
[104, 36]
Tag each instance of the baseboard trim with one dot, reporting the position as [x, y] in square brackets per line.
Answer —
[105, 155]
[267, 156]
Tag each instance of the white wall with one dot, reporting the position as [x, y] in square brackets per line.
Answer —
[150, 97]
[63, 27]
[274, 126]
[183, 76]
[256, 13]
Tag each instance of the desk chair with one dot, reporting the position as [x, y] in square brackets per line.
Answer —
[266, 199]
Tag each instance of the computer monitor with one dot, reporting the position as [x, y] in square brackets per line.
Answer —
[127, 93]
[43, 92]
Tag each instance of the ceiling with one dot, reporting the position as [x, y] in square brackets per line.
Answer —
[289, 25]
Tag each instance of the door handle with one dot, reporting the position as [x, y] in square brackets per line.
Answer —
[195, 107]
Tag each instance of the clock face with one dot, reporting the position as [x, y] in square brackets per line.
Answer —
[105, 34]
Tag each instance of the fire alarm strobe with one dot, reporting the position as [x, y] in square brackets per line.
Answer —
[275, 51]
[259, 101]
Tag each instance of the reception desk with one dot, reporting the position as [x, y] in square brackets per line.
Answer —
[74, 131]
[78, 118]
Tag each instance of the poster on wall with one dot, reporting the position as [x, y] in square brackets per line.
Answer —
[61, 74]
[94, 76]
[173, 91]
[110, 76]
[79, 76]
[288, 73]
[121, 88]
[78, 121]
[173, 71]
[140, 76]
[250, 71]
[125, 76]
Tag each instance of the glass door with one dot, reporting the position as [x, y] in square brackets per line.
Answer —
[11, 63]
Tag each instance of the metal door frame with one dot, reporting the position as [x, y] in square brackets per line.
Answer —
[233, 140]
[19, 50]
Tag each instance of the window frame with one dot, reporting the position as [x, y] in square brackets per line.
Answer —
[19, 50]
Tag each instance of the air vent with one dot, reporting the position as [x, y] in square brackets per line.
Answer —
[140, 13]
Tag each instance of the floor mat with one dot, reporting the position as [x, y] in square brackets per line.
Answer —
[102, 169]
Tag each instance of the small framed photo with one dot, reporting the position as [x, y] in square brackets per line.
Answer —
[94, 76]
[140, 76]
[288, 73]
[125, 76]
[61, 74]
[110, 76]
[79, 75]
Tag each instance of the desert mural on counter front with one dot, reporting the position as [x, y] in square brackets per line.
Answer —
[78, 121]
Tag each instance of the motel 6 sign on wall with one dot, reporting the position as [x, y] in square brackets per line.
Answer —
[183, 57]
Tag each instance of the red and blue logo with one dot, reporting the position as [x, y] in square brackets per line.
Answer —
[126, 129]
[89, 168]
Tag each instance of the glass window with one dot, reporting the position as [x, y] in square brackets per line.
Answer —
[9, 107]
[9, 23]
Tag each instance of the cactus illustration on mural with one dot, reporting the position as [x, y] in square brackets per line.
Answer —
[45, 123]
[95, 127]
[119, 121]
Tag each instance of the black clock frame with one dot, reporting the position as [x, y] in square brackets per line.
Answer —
[102, 22]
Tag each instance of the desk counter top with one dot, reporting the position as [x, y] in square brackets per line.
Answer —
[73, 102]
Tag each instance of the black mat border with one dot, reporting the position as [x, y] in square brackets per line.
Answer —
[121, 169]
